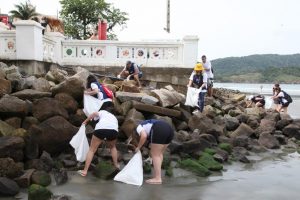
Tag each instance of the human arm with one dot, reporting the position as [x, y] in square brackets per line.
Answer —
[89, 118]
[93, 90]
[190, 80]
[143, 138]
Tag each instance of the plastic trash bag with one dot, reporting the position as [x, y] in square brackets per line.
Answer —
[80, 144]
[132, 173]
[91, 104]
[192, 96]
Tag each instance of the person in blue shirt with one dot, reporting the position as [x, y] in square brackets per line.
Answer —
[131, 72]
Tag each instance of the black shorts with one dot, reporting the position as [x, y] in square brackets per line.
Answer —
[106, 134]
[162, 133]
[285, 104]
[107, 105]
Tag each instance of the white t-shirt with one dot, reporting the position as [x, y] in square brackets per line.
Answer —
[106, 121]
[147, 127]
[207, 68]
[280, 94]
[95, 86]
[204, 79]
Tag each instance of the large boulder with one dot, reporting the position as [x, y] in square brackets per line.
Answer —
[128, 96]
[30, 94]
[9, 168]
[38, 192]
[6, 129]
[168, 98]
[5, 87]
[269, 141]
[11, 106]
[73, 86]
[67, 101]
[243, 129]
[24, 180]
[231, 123]
[48, 107]
[41, 178]
[56, 75]
[266, 125]
[41, 84]
[13, 74]
[11, 146]
[8, 187]
[292, 130]
[54, 134]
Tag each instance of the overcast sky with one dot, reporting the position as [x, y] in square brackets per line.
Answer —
[224, 27]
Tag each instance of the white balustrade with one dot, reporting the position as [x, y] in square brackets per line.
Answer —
[48, 49]
[8, 45]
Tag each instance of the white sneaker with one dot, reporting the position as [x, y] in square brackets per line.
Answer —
[195, 112]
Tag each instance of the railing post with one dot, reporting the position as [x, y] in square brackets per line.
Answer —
[29, 40]
[190, 51]
[58, 38]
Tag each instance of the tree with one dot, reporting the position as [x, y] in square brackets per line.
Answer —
[81, 16]
[24, 11]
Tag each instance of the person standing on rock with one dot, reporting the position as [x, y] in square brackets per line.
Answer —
[210, 75]
[106, 129]
[198, 79]
[94, 89]
[159, 134]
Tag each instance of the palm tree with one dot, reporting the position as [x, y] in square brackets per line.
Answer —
[24, 11]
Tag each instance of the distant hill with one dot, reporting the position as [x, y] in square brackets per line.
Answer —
[265, 68]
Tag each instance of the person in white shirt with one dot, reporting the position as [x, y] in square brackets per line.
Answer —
[198, 79]
[283, 102]
[159, 134]
[210, 76]
[106, 129]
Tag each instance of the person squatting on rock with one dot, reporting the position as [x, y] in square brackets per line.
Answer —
[284, 102]
[258, 100]
[131, 72]
[159, 134]
[94, 88]
[210, 75]
[198, 79]
[105, 130]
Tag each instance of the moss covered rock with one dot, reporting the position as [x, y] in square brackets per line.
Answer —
[104, 170]
[226, 147]
[194, 166]
[147, 168]
[169, 171]
[210, 151]
[38, 192]
[41, 178]
[166, 161]
[209, 162]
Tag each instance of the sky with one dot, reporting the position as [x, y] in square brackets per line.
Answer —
[224, 27]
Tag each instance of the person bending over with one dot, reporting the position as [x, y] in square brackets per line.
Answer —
[131, 72]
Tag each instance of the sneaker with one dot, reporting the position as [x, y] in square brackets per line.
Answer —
[195, 112]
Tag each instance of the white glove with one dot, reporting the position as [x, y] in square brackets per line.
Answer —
[119, 76]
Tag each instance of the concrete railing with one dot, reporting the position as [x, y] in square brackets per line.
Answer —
[28, 43]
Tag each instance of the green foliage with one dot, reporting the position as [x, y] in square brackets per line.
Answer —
[258, 68]
[24, 11]
[81, 16]
[210, 151]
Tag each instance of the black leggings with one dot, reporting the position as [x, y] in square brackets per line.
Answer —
[161, 133]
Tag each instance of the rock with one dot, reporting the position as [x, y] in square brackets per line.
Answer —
[282, 123]
[175, 147]
[166, 119]
[54, 134]
[38, 192]
[266, 125]
[226, 108]
[167, 98]
[243, 129]
[221, 156]
[8, 187]
[41, 84]
[9, 168]
[269, 141]
[125, 107]
[73, 86]
[31, 95]
[240, 141]
[243, 118]
[231, 123]
[47, 160]
[238, 97]
[11, 106]
[51, 107]
[209, 138]
[41, 178]
[13, 74]
[61, 197]
[130, 88]
[156, 110]
[20, 132]
[104, 170]
[195, 145]
[272, 115]
[195, 167]
[127, 96]
[67, 101]
[24, 181]
[208, 161]
[31, 149]
[60, 176]
[14, 122]
[69, 163]
[182, 126]
[182, 136]
[6, 129]
[37, 164]
[239, 153]
[292, 130]
[29, 121]
[57, 75]
[11, 146]
[226, 147]
[150, 100]
[253, 121]
[5, 87]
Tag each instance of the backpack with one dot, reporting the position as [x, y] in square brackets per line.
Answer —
[287, 97]
[107, 93]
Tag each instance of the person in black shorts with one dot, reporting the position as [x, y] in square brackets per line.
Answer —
[159, 135]
[105, 129]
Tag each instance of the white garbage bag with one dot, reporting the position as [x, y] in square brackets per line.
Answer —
[91, 104]
[80, 144]
[192, 96]
[132, 173]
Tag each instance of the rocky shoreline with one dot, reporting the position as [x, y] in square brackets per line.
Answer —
[41, 113]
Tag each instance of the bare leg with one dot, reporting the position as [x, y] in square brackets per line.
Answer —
[114, 153]
[157, 158]
[93, 148]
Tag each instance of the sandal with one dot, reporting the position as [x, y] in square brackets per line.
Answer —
[80, 172]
